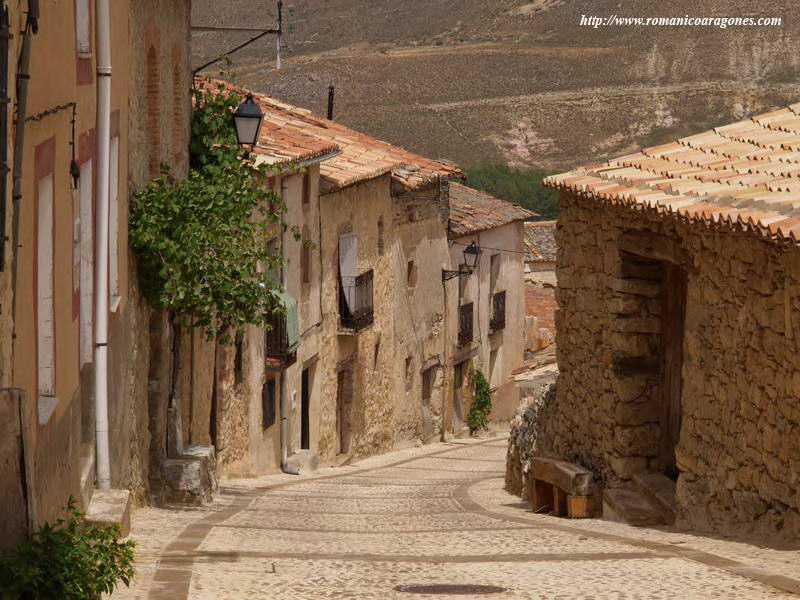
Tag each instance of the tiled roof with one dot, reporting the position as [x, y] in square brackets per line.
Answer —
[744, 176]
[540, 241]
[472, 211]
[290, 134]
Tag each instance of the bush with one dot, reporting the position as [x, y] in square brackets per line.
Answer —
[521, 186]
[481, 406]
[67, 560]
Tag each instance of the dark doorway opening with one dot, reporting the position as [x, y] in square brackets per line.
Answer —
[305, 411]
[344, 402]
[673, 317]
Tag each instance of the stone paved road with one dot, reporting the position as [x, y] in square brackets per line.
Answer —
[430, 515]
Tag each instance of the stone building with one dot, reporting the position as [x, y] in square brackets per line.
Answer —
[376, 217]
[540, 284]
[51, 375]
[678, 323]
[486, 309]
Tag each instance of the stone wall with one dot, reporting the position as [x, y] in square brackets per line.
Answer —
[738, 453]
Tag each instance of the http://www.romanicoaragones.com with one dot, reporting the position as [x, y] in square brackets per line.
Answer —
[596, 21]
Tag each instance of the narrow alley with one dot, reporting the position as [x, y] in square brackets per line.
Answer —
[430, 516]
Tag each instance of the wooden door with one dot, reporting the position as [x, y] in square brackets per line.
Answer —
[305, 411]
[343, 404]
[673, 315]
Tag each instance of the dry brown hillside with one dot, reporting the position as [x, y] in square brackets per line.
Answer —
[516, 80]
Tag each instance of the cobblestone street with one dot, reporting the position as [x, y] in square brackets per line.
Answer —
[432, 515]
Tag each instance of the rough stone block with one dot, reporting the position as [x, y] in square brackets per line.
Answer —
[625, 466]
[305, 461]
[109, 507]
[191, 478]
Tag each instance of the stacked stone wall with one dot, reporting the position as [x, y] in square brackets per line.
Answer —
[738, 454]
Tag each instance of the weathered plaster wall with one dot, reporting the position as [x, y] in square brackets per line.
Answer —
[419, 226]
[739, 447]
[507, 344]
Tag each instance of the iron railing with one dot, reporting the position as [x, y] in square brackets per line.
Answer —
[276, 343]
[356, 309]
[465, 324]
[498, 319]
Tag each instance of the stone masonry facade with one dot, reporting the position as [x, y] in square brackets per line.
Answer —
[738, 451]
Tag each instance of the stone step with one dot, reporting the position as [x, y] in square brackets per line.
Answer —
[340, 460]
[111, 506]
[192, 477]
[305, 461]
[628, 506]
[659, 490]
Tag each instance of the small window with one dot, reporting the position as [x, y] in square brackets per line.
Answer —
[380, 237]
[494, 273]
[428, 377]
[306, 190]
[268, 404]
[411, 274]
[493, 367]
[376, 355]
[458, 376]
[409, 374]
[83, 28]
[238, 360]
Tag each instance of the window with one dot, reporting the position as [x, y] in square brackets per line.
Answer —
[306, 190]
[409, 374]
[113, 225]
[238, 359]
[411, 274]
[87, 261]
[83, 28]
[380, 237]
[458, 375]
[268, 404]
[45, 314]
[494, 272]
[428, 377]
[376, 355]
[493, 367]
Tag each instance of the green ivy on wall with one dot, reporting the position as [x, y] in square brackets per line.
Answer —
[202, 242]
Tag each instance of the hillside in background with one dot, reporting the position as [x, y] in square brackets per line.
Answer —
[518, 82]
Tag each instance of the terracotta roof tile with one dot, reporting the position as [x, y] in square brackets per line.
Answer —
[744, 176]
[292, 134]
[472, 210]
[540, 241]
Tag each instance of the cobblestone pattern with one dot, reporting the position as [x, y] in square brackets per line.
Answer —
[739, 447]
[256, 542]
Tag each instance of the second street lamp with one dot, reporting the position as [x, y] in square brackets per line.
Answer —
[472, 257]
[248, 118]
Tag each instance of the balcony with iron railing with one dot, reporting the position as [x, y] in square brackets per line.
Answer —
[497, 322]
[356, 309]
[277, 352]
[465, 325]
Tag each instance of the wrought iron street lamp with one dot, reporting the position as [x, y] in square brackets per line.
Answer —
[248, 118]
[472, 258]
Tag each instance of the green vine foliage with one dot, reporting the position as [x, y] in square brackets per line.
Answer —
[69, 560]
[202, 242]
[478, 416]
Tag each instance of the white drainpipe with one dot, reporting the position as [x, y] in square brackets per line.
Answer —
[101, 239]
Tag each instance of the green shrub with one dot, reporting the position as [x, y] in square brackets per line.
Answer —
[481, 406]
[520, 185]
[67, 560]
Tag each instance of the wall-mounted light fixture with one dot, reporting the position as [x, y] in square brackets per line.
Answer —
[472, 258]
[248, 118]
